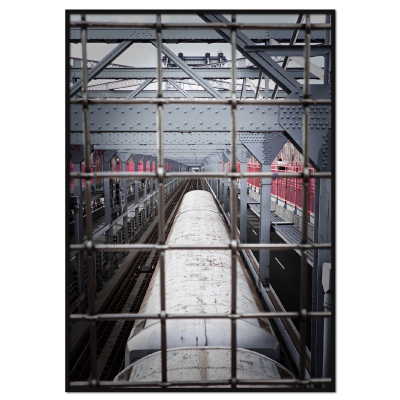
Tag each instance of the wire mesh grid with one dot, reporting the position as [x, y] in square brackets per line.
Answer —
[161, 175]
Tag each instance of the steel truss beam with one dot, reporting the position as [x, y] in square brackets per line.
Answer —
[316, 51]
[101, 65]
[182, 91]
[177, 73]
[139, 89]
[265, 63]
[117, 35]
[189, 71]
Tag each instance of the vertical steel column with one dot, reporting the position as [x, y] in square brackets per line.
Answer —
[145, 192]
[107, 210]
[265, 225]
[226, 188]
[151, 188]
[221, 182]
[322, 234]
[155, 180]
[125, 198]
[327, 58]
[327, 285]
[79, 233]
[316, 326]
[243, 204]
[137, 196]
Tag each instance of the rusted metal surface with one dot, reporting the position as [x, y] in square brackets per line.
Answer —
[199, 281]
[204, 363]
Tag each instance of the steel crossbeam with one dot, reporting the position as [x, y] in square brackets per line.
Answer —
[117, 35]
[177, 73]
[151, 94]
[276, 50]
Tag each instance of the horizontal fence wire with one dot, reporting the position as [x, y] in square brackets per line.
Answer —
[261, 102]
[233, 246]
[209, 25]
[132, 317]
[234, 175]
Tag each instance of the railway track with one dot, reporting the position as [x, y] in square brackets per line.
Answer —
[112, 336]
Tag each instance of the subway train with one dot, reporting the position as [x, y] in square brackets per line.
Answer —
[199, 281]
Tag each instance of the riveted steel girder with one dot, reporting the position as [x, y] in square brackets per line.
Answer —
[320, 149]
[149, 138]
[177, 73]
[263, 146]
[116, 35]
[177, 118]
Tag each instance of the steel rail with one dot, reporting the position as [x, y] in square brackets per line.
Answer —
[210, 25]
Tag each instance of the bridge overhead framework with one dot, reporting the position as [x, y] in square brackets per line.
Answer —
[143, 135]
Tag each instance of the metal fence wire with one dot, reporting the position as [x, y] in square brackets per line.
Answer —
[161, 175]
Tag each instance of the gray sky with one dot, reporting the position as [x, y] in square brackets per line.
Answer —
[144, 54]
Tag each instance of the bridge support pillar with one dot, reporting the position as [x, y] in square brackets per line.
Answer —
[79, 235]
[265, 225]
[243, 204]
[322, 234]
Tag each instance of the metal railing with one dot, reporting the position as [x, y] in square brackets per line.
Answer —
[161, 175]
